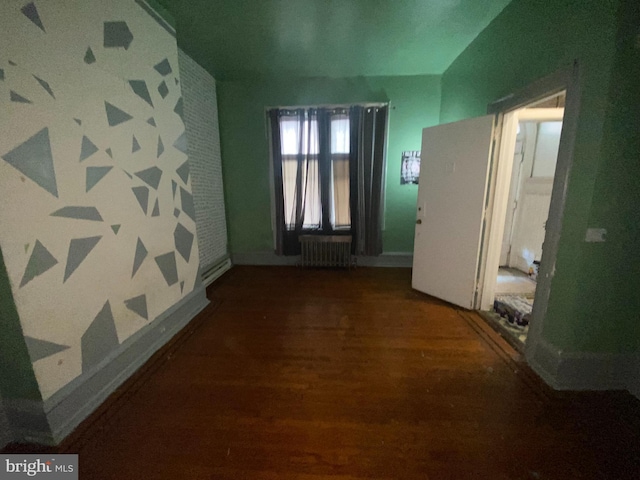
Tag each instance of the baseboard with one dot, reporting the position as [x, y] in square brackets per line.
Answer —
[580, 370]
[390, 259]
[633, 384]
[264, 258]
[28, 421]
[68, 407]
[6, 435]
[387, 259]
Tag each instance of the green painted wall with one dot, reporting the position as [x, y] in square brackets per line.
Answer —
[17, 379]
[237, 39]
[163, 12]
[415, 103]
[593, 304]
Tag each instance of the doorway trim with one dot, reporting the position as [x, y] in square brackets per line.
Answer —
[568, 80]
[501, 186]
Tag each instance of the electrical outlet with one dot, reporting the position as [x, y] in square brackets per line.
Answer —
[595, 235]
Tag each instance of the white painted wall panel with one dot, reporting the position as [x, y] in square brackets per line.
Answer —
[547, 145]
[201, 120]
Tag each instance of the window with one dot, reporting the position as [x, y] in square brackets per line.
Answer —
[328, 168]
[300, 149]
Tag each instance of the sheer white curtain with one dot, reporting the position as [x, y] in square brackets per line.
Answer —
[299, 145]
[340, 147]
[300, 154]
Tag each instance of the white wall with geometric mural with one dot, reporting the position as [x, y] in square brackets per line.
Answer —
[97, 222]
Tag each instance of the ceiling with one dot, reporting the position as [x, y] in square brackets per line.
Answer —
[336, 38]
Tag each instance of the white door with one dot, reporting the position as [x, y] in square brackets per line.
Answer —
[451, 202]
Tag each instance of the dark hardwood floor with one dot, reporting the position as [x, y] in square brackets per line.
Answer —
[310, 374]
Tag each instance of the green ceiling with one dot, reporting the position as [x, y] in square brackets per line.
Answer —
[336, 38]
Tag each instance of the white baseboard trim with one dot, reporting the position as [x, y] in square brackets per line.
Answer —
[581, 370]
[387, 259]
[68, 407]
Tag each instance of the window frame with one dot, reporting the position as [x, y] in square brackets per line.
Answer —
[339, 230]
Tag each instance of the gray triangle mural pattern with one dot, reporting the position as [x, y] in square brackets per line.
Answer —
[183, 172]
[184, 241]
[79, 248]
[87, 148]
[99, 339]
[163, 90]
[160, 148]
[140, 255]
[79, 213]
[138, 305]
[39, 349]
[31, 12]
[163, 67]
[45, 85]
[142, 195]
[167, 265]
[66, 158]
[33, 158]
[151, 176]
[89, 57]
[94, 175]
[115, 116]
[117, 34]
[39, 262]
[16, 97]
[140, 88]
[187, 204]
[181, 143]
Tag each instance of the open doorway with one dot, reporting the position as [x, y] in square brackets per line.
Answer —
[463, 200]
[533, 163]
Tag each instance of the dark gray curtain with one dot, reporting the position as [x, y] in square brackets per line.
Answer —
[276, 152]
[367, 164]
[289, 228]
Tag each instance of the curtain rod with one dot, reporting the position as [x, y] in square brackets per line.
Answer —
[342, 105]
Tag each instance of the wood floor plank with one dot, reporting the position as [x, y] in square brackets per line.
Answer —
[313, 374]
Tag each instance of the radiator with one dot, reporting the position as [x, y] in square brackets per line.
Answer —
[326, 250]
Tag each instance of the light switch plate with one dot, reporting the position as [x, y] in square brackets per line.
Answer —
[595, 235]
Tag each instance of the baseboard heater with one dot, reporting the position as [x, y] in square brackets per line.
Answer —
[326, 251]
[216, 271]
